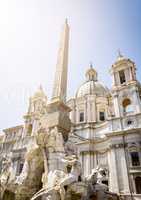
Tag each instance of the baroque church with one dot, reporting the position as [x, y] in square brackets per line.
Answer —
[103, 126]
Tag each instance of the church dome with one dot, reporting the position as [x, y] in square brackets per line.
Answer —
[39, 93]
[91, 86]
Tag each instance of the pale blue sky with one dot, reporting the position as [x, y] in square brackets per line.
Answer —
[29, 40]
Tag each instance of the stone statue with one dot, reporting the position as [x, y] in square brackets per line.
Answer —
[58, 179]
[96, 189]
[101, 175]
[49, 140]
[72, 176]
[97, 176]
[92, 178]
[54, 178]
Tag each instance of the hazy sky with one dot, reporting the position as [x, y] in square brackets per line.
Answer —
[29, 40]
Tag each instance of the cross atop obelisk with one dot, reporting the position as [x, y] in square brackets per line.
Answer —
[60, 82]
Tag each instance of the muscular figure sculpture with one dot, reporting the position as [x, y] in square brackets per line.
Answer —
[97, 176]
[92, 178]
[71, 177]
[58, 179]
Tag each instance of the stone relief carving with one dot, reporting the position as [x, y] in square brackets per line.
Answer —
[50, 138]
[70, 148]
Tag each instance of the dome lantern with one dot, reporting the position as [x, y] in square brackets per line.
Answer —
[91, 74]
[120, 56]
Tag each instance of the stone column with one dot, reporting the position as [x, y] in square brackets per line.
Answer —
[122, 170]
[137, 101]
[113, 176]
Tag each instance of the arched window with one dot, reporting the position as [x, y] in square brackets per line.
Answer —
[127, 106]
[138, 184]
[135, 158]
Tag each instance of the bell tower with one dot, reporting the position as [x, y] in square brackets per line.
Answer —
[36, 109]
[125, 88]
[123, 71]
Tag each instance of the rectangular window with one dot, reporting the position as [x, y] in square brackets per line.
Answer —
[135, 159]
[81, 117]
[102, 116]
[122, 76]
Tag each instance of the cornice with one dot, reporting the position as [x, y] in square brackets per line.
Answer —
[15, 128]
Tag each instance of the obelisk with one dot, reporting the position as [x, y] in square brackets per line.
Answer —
[57, 110]
[57, 118]
[60, 82]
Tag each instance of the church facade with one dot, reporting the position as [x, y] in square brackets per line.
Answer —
[105, 126]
